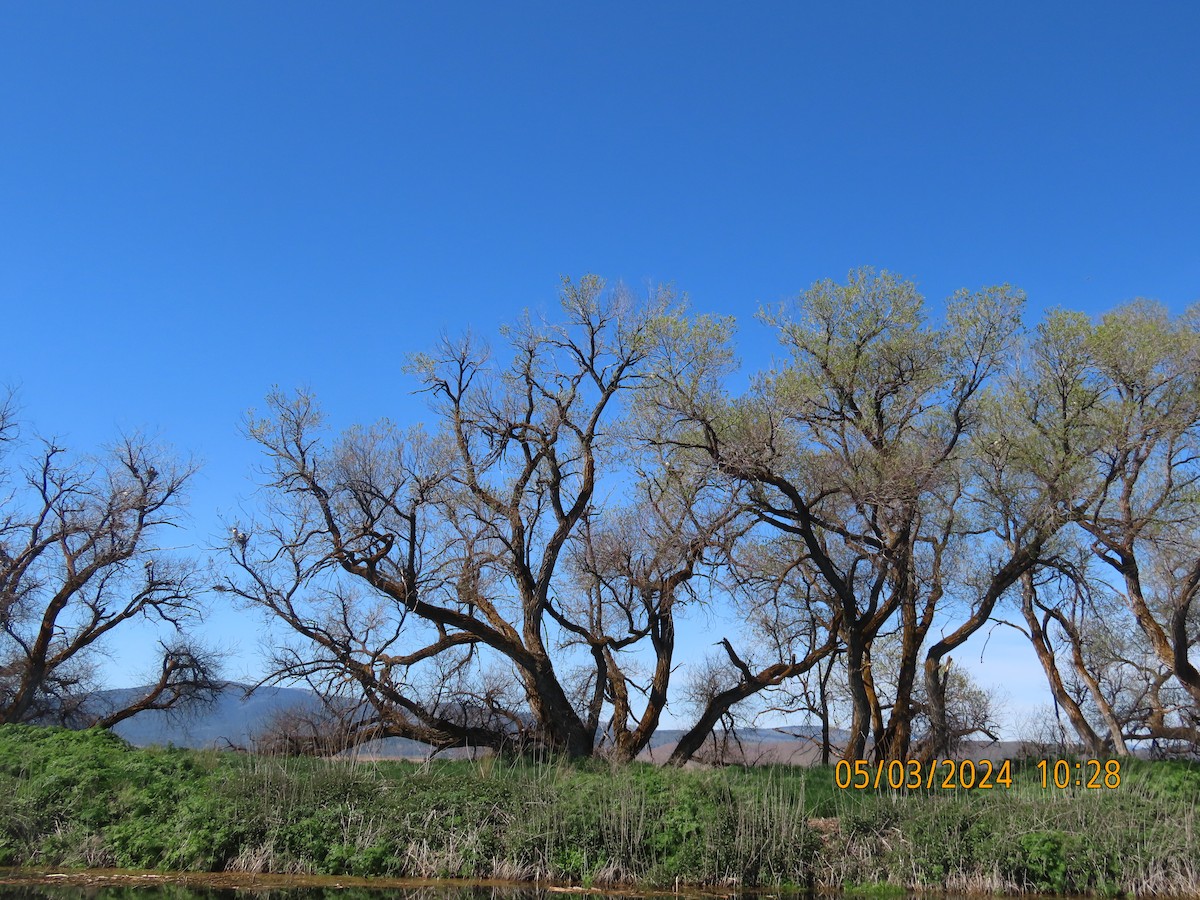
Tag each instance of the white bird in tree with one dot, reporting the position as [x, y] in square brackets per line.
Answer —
[944, 668]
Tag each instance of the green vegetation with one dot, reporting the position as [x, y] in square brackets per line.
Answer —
[87, 799]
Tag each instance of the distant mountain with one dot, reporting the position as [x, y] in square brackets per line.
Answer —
[231, 719]
[235, 717]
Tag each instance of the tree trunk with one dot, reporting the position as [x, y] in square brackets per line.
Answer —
[1045, 654]
[856, 747]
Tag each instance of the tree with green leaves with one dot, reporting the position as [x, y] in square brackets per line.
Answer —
[855, 455]
[1122, 416]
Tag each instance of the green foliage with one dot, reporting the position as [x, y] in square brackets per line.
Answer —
[1045, 860]
[1169, 780]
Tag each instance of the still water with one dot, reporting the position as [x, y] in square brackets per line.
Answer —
[145, 886]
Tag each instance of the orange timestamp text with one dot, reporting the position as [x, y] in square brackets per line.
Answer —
[966, 774]
[944, 774]
[1089, 773]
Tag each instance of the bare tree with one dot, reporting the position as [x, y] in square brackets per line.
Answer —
[636, 568]
[1103, 674]
[814, 694]
[80, 557]
[792, 626]
[325, 727]
[470, 583]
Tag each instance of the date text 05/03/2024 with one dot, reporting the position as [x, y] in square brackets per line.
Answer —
[954, 774]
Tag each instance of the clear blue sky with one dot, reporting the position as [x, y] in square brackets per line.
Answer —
[201, 200]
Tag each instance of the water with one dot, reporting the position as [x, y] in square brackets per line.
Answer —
[97, 885]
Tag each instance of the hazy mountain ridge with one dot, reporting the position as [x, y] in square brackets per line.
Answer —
[231, 719]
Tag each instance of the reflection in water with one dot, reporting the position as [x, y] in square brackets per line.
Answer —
[16, 890]
[18, 887]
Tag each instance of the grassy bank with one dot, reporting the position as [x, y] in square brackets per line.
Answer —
[86, 799]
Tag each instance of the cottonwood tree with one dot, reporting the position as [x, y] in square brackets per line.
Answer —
[1020, 473]
[1144, 518]
[1103, 675]
[971, 710]
[817, 694]
[1032, 461]
[1122, 416]
[855, 448]
[469, 582]
[635, 568]
[1104, 418]
[81, 556]
[792, 626]
[1072, 622]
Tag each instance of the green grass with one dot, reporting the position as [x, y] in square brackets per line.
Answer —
[87, 799]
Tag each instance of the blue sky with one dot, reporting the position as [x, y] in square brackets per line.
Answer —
[201, 200]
